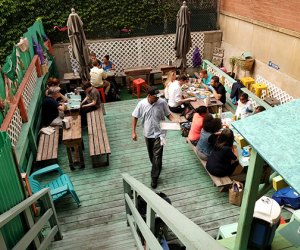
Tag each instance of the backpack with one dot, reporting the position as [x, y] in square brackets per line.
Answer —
[113, 93]
[287, 196]
[160, 227]
[185, 128]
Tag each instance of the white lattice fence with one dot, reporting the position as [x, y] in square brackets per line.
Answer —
[14, 128]
[274, 91]
[29, 88]
[142, 51]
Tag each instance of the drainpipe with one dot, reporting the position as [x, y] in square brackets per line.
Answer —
[218, 13]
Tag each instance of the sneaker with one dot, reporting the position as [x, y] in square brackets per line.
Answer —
[154, 183]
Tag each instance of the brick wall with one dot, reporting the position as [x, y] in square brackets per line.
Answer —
[284, 14]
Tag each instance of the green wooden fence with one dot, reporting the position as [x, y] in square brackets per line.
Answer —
[11, 192]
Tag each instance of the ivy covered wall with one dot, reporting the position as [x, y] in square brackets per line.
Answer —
[102, 18]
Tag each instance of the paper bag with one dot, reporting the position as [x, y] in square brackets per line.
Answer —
[44, 68]
[236, 193]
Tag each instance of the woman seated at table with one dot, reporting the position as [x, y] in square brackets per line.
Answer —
[107, 65]
[223, 159]
[208, 136]
[54, 82]
[90, 103]
[171, 77]
[244, 107]
[176, 102]
[197, 124]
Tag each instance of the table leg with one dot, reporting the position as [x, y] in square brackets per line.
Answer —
[71, 164]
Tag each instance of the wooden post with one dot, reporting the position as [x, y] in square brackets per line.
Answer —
[248, 202]
[53, 221]
[127, 190]
[2, 242]
[30, 223]
[23, 111]
[38, 68]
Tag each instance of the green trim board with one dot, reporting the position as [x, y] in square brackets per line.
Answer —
[275, 135]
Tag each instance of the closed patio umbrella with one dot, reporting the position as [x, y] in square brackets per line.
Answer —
[183, 40]
[79, 45]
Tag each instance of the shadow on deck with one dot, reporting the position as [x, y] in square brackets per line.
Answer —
[100, 222]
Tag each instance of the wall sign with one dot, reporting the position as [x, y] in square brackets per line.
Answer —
[273, 65]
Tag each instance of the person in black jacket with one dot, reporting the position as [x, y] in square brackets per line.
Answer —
[223, 159]
[236, 91]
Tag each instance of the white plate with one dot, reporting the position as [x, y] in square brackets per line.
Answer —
[192, 88]
[212, 95]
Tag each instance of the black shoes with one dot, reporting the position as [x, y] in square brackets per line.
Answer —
[154, 183]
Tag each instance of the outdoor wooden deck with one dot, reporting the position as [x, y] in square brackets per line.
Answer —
[100, 221]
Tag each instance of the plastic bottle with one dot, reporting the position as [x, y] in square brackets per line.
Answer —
[220, 112]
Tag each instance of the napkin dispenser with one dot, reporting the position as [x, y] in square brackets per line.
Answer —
[66, 123]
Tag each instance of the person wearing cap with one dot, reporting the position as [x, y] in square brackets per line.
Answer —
[152, 110]
[52, 110]
[176, 102]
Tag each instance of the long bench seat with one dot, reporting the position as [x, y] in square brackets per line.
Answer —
[98, 140]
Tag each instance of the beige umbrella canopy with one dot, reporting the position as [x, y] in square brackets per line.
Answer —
[79, 46]
[183, 40]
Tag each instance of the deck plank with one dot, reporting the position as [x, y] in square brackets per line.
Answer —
[101, 218]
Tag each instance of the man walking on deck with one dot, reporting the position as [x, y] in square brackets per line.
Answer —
[152, 110]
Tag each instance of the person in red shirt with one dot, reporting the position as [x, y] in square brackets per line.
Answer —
[197, 124]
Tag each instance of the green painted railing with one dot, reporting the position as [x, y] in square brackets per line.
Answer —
[190, 234]
[32, 236]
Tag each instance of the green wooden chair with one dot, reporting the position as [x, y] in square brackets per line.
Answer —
[59, 187]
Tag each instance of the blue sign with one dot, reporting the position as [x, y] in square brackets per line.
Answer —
[273, 65]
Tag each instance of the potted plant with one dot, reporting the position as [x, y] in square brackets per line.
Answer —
[233, 62]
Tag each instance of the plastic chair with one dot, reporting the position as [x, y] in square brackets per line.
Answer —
[101, 91]
[227, 231]
[257, 89]
[138, 84]
[59, 187]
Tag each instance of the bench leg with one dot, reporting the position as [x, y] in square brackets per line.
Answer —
[71, 163]
[107, 162]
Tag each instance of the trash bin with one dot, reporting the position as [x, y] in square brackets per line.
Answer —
[266, 219]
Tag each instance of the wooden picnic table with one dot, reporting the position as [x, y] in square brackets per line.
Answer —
[137, 71]
[73, 104]
[214, 104]
[74, 78]
[72, 138]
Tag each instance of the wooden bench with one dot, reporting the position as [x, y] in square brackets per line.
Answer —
[47, 148]
[221, 182]
[98, 140]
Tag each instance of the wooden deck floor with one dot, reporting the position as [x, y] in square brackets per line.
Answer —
[100, 221]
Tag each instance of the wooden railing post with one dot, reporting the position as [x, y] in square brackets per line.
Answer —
[38, 68]
[127, 190]
[30, 224]
[53, 221]
[2, 242]
[22, 109]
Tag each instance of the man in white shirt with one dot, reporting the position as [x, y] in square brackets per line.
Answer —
[97, 77]
[176, 102]
[152, 110]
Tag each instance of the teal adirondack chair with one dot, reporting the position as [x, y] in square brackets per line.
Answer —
[59, 187]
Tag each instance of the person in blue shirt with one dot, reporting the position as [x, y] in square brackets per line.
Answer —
[107, 65]
[204, 78]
